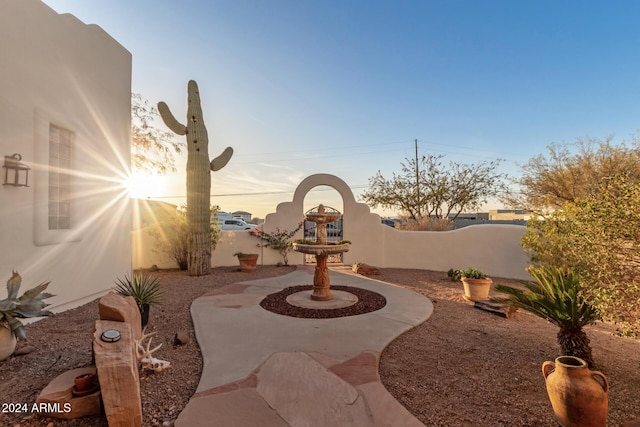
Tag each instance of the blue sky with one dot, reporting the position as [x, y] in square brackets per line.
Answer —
[344, 87]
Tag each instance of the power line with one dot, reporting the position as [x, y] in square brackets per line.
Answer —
[353, 187]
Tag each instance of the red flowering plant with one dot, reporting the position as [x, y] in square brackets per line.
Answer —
[279, 240]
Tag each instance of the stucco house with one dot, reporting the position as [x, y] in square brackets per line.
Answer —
[65, 114]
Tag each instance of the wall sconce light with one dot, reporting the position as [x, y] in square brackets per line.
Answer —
[15, 173]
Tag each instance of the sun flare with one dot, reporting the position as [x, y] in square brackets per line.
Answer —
[142, 185]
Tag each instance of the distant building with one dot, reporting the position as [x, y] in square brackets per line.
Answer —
[470, 216]
[510, 214]
[246, 216]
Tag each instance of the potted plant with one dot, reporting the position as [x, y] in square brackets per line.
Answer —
[30, 304]
[144, 289]
[247, 261]
[476, 284]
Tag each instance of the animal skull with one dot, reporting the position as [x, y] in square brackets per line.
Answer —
[144, 355]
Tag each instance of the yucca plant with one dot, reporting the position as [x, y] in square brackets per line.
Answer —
[144, 289]
[556, 297]
[30, 304]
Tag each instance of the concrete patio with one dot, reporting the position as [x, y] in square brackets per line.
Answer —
[266, 369]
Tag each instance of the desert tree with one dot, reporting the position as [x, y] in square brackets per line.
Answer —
[152, 149]
[597, 236]
[571, 171]
[429, 187]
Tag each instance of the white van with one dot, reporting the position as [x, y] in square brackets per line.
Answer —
[226, 221]
[235, 224]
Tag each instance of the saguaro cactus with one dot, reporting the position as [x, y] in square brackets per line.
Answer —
[198, 178]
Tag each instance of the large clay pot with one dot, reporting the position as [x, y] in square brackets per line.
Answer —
[7, 342]
[248, 262]
[476, 289]
[577, 397]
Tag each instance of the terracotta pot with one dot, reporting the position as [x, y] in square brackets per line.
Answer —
[248, 262]
[84, 382]
[7, 342]
[476, 289]
[577, 397]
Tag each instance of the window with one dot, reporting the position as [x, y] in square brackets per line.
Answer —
[59, 179]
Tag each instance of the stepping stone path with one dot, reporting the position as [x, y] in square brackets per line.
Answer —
[261, 368]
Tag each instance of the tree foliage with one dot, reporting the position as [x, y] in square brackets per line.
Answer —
[439, 190]
[152, 150]
[572, 171]
[599, 237]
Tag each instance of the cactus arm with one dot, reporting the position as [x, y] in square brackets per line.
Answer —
[222, 160]
[170, 120]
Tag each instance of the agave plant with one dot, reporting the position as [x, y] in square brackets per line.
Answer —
[144, 289]
[556, 297]
[30, 304]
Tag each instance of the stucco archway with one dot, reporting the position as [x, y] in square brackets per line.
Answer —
[360, 224]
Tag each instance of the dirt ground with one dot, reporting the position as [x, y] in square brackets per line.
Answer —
[462, 367]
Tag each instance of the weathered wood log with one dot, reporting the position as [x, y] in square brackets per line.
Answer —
[501, 310]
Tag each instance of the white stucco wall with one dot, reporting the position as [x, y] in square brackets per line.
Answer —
[494, 249]
[57, 70]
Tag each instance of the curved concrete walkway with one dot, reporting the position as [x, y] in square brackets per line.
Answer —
[264, 369]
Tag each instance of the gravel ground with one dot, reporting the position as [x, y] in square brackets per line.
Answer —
[468, 367]
[462, 367]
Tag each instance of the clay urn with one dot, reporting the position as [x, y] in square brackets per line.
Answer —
[579, 396]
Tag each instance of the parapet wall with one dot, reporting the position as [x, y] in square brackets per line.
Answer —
[494, 249]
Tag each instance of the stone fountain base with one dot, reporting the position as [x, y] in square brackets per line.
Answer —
[304, 299]
[277, 303]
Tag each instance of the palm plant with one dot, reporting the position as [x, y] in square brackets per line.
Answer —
[556, 297]
[144, 289]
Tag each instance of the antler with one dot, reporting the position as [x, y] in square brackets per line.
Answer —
[144, 354]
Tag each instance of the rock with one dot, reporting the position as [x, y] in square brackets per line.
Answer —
[501, 310]
[365, 269]
[24, 350]
[115, 307]
[58, 397]
[118, 374]
[297, 402]
[181, 338]
[632, 423]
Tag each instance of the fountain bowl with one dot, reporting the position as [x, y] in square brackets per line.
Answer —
[314, 249]
[322, 218]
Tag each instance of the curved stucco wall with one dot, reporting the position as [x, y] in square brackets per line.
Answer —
[494, 249]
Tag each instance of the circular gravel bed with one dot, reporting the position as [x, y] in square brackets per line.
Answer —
[368, 301]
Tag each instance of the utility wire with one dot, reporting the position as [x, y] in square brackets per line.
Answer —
[353, 187]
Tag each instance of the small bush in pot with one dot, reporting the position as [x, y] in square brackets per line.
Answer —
[476, 284]
[144, 289]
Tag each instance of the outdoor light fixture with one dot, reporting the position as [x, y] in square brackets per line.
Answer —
[15, 173]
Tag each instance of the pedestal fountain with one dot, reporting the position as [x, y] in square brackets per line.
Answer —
[321, 249]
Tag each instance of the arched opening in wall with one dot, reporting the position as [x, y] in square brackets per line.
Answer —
[329, 197]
